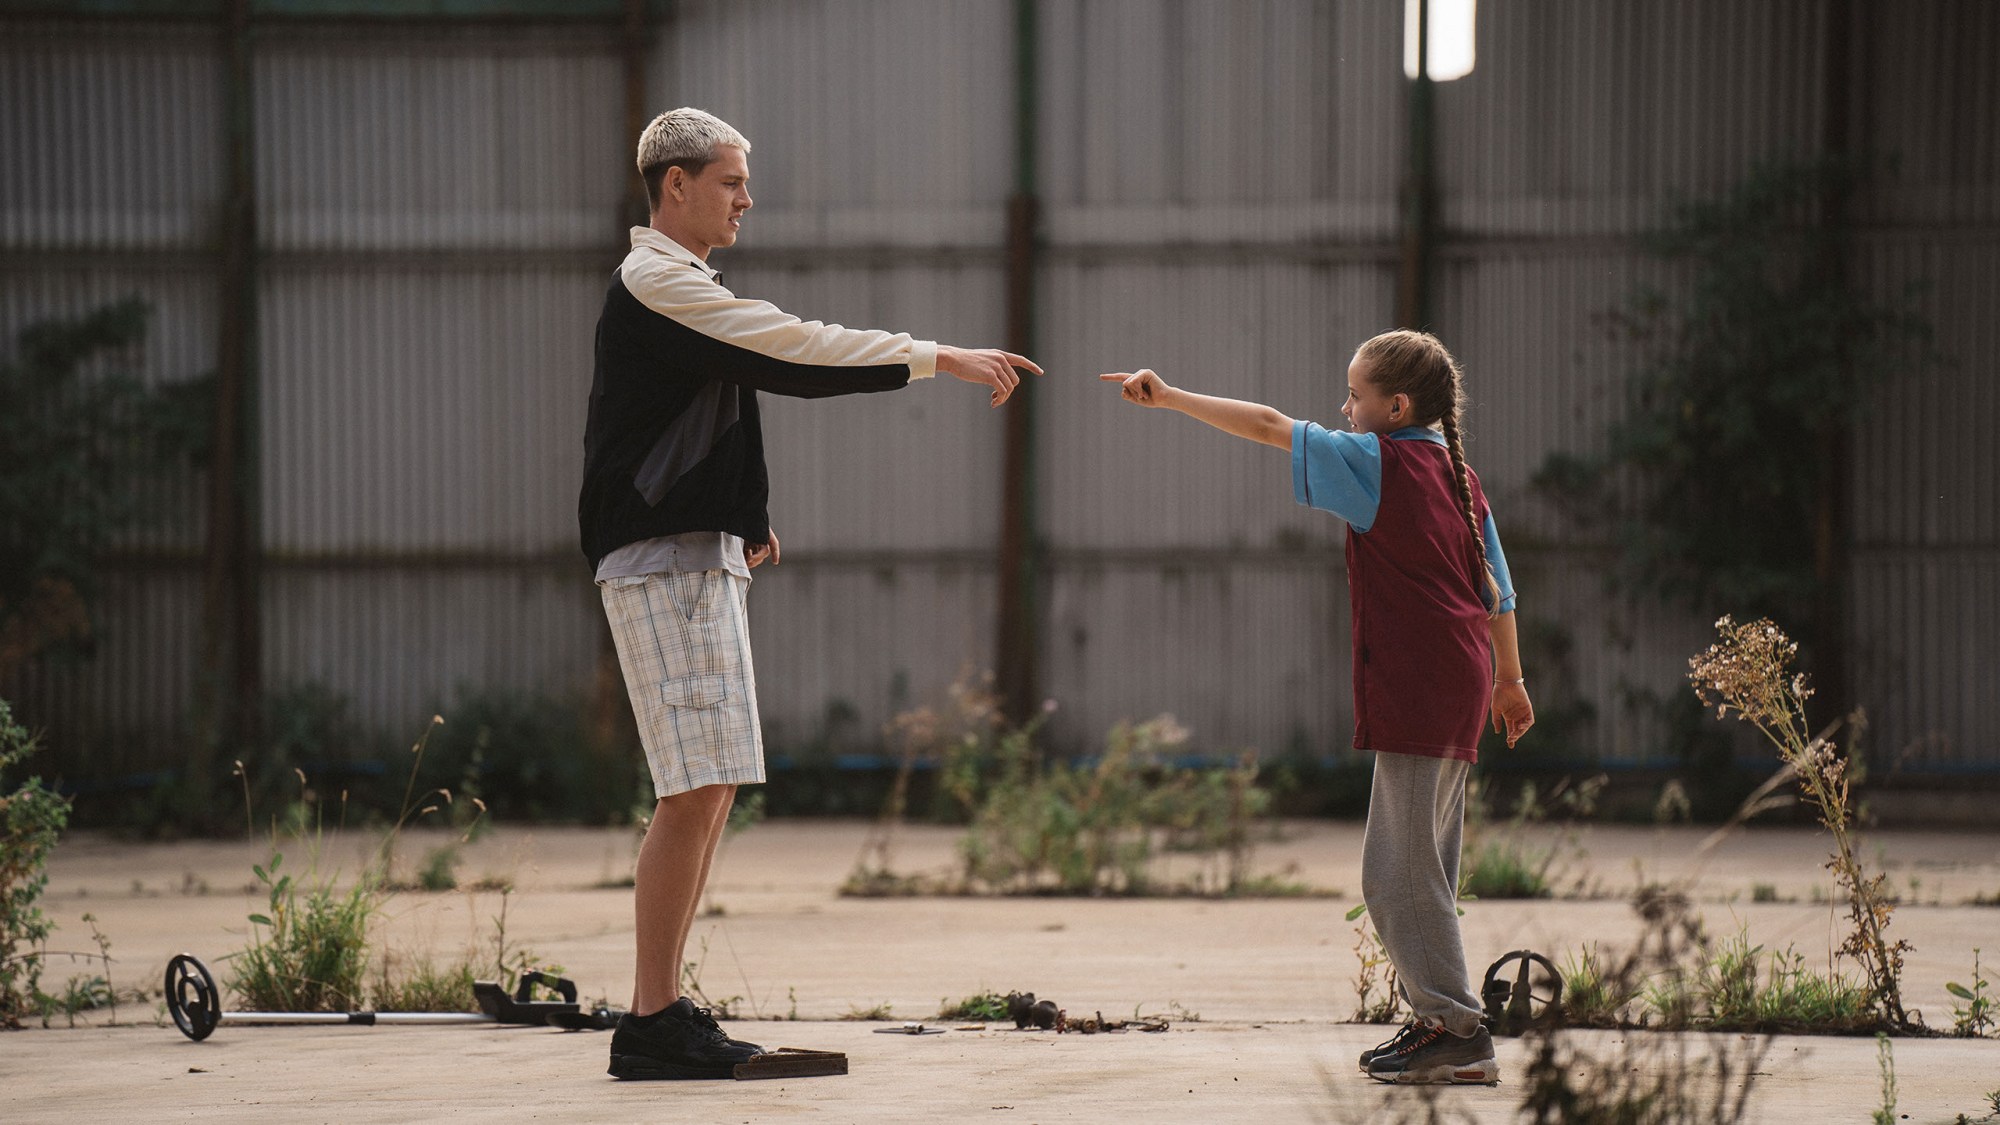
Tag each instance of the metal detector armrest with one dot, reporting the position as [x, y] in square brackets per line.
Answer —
[521, 1008]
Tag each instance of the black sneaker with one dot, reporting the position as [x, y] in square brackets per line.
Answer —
[1390, 1044]
[682, 1041]
[1434, 1055]
[705, 1017]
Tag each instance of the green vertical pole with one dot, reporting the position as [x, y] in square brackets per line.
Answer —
[231, 639]
[1844, 92]
[1419, 189]
[1018, 647]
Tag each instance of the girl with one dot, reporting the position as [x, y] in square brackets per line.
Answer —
[1433, 610]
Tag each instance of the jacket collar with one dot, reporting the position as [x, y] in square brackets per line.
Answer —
[654, 240]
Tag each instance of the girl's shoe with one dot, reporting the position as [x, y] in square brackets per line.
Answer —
[1390, 1044]
[1435, 1056]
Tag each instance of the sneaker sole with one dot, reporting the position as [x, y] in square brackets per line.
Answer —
[639, 1068]
[1483, 1073]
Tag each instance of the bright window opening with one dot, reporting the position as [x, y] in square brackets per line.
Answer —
[1451, 38]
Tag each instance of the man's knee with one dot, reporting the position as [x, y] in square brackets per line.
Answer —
[706, 798]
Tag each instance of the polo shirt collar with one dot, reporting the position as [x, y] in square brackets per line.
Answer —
[1418, 433]
[654, 240]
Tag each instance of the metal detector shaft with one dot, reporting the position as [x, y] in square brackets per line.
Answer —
[362, 1019]
[196, 1005]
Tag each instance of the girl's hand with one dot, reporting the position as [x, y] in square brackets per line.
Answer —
[1512, 713]
[1142, 386]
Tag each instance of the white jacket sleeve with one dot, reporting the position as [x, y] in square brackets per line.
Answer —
[676, 289]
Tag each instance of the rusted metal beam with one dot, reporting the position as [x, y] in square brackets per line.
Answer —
[231, 656]
[1017, 655]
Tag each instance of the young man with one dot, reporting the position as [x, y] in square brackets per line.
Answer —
[673, 519]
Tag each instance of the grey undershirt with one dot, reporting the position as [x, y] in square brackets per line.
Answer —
[688, 552]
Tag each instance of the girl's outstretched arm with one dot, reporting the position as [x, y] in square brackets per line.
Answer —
[1251, 420]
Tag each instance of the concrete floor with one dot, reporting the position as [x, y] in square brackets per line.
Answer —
[1269, 980]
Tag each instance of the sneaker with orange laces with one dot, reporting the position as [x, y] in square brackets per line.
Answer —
[1430, 1055]
[1414, 1027]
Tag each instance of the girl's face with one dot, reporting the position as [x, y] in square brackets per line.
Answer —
[1368, 410]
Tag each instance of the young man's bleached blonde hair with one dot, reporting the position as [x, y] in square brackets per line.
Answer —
[685, 138]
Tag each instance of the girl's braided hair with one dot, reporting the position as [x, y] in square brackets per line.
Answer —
[1416, 364]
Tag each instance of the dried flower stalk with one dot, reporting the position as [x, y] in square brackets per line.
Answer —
[1748, 672]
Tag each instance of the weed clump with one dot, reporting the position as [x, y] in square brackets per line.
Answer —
[986, 1007]
[1375, 968]
[32, 816]
[1504, 862]
[1094, 827]
[312, 946]
[1974, 1018]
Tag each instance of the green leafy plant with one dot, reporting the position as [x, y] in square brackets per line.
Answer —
[1080, 828]
[310, 947]
[311, 951]
[1070, 829]
[419, 984]
[1504, 862]
[1714, 486]
[440, 869]
[1747, 672]
[1594, 996]
[87, 445]
[1637, 1079]
[1975, 1017]
[1375, 970]
[983, 1006]
[1731, 994]
[32, 817]
[80, 994]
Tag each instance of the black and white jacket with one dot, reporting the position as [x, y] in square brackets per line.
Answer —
[673, 443]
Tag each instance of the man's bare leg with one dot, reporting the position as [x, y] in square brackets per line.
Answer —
[715, 835]
[667, 885]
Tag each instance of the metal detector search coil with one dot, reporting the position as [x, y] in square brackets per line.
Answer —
[196, 1005]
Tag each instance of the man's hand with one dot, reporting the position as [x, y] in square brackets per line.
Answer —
[988, 366]
[762, 551]
[1512, 713]
[1142, 386]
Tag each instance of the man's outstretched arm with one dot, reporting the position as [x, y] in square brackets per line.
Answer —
[760, 345]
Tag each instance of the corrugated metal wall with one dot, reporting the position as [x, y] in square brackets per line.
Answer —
[1219, 180]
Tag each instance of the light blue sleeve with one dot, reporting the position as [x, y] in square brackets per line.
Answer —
[1339, 472]
[1497, 559]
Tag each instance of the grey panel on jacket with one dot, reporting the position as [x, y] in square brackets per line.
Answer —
[688, 439]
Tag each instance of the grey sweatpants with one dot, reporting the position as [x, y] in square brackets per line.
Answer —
[1409, 879]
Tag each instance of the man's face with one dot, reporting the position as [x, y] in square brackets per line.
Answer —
[712, 203]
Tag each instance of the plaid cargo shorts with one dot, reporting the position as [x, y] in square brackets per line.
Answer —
[683, 643]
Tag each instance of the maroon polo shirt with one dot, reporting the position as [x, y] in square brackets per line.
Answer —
[1423, 655]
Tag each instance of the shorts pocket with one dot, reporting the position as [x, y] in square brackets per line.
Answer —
[697, 692]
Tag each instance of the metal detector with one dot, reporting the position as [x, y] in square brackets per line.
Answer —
[1532, 999]
[196, 1005]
